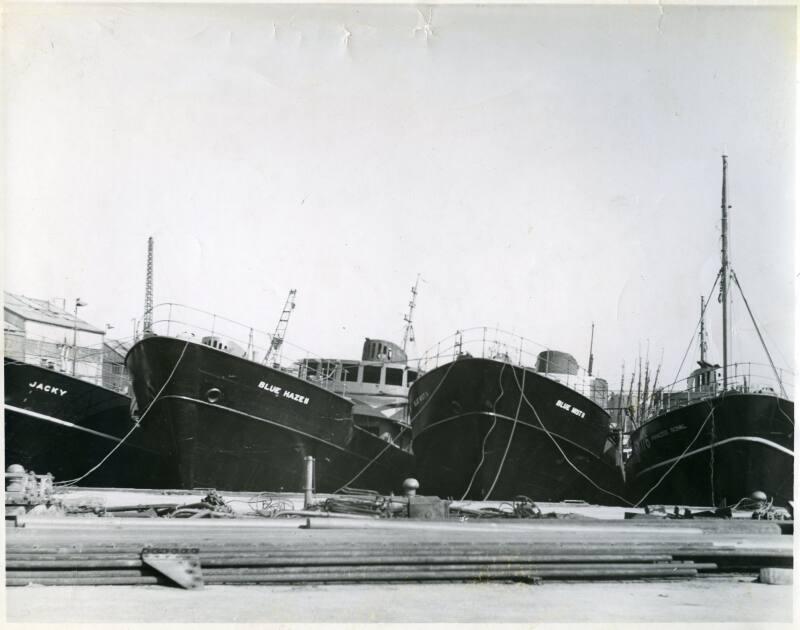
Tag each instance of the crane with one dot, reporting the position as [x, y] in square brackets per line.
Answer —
[280, 330]
[147, 322]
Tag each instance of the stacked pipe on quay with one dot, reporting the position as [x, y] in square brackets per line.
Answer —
[113, 550]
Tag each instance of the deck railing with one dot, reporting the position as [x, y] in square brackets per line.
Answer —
[89, 363]
[743, 378]
[185, 322]
[501, 345]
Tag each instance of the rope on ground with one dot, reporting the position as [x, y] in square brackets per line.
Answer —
[511, 434]
[135, 426]
[564, 455]
[403, 430]
[488, 433]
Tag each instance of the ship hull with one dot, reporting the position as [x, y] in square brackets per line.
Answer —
[220, 421]
[477, 438]
[717, 450]
[58, 424]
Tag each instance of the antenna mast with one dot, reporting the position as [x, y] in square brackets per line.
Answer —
[591, 356]
[703, 346]
[723, 287]
[408, 335]
[280, 330]
[147, 320]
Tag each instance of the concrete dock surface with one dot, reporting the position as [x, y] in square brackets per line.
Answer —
[709, 599]
[722, 597]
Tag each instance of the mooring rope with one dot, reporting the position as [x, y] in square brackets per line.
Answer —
[403, 430]
[564, 455]
[680, 457]
[711, 441]
[135, 426]
[488, 433]
[510, 435]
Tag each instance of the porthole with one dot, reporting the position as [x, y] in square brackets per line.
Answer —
[213, 395]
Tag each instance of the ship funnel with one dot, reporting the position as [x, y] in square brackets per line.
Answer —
[381, 350]
[555, 362]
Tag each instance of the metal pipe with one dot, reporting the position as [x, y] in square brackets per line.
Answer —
[465, 567]
[89, 564]
[88, 581]
[77, 573]
[361, 576]
[456, 568]
[75, 334]
[422, 559]
[308, 487]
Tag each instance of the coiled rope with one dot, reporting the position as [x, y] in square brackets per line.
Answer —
[135, 426]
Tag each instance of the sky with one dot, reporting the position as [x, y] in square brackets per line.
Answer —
[542, 168]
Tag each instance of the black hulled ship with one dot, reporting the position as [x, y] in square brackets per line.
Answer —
[721, 434]
[62, 425]
[59, 417]
[220, 418]
[489, 427]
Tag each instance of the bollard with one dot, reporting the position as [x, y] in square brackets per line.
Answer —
[308, 487]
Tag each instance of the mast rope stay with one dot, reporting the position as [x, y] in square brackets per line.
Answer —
[694, 333]
[758, 332]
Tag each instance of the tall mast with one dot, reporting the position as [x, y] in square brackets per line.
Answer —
[408, 335]
[591, 356]
[723, 287]
[147, 320]
[702, 331]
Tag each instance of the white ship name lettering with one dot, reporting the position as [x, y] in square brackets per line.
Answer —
[269, 388]
[47, 388]
[295, 397]
[279, 391]
[568, 407]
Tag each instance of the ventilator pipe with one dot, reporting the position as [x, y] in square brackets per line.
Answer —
[410, 487]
